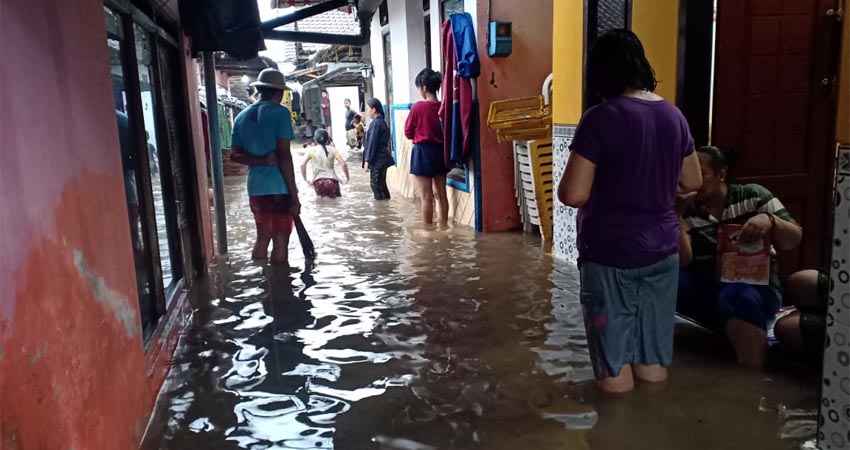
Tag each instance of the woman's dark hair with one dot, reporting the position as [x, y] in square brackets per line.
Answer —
[322, 138]
[430, 79]
[617, 63]
[719, 158]
[376, 104]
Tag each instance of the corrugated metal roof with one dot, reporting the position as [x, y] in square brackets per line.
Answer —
[334, 22]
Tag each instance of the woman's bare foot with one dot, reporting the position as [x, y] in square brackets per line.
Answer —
[622, 383]
[651, 374]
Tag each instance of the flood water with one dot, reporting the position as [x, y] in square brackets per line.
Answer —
[408, 338]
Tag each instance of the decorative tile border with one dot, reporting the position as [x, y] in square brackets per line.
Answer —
[834, 424]
[564, 233]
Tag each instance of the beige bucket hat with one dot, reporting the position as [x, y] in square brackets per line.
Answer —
[271, 78]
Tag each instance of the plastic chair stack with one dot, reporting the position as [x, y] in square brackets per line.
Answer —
[535, 185]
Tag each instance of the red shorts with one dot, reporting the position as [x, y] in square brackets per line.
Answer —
[326, 187]
[272, 209]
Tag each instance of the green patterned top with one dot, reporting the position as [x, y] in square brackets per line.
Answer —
[742, 203]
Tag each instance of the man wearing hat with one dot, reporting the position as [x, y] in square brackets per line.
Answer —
[261, 136]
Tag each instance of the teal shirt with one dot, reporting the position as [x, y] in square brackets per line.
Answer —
[256, 130]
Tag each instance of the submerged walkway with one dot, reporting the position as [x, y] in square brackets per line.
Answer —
[410, 339]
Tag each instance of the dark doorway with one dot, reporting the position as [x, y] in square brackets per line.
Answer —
[695, 59]
[428, 41]
[602, 16]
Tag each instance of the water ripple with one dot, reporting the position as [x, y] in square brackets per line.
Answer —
[401, 338]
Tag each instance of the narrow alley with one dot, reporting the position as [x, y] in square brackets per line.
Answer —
[570, 225]
[408, 338]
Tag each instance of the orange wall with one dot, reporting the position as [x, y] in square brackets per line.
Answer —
[568, 62]
[656, 23]
[71, 359]
[519, 75]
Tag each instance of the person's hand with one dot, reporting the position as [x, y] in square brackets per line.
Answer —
[366, 166]
[347, 180]
[295, 206]
[270, 159]
[755, 229]
[683, 200]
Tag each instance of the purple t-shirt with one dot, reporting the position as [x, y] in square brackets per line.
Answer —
[637, 146]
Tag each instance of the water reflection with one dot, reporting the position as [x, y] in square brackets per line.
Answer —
[412, 339]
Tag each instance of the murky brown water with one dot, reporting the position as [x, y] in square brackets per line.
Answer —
[406, 338]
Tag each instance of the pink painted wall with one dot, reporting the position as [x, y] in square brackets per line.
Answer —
[519, 75]
[71, 358]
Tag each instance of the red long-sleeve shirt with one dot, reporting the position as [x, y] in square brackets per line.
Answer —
[423, 124]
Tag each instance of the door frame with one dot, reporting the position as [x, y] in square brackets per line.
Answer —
[137, 124]
[193, 252]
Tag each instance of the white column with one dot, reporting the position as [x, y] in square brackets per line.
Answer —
[376, 46]
[436, 43]
[407, 41]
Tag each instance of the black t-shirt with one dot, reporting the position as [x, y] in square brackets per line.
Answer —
[349, 117]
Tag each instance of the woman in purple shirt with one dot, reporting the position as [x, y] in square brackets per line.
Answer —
[630, 157]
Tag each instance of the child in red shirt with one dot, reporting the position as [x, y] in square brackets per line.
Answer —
[427, 163]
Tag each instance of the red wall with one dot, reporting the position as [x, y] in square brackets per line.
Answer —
[71, 358]
[519, 75]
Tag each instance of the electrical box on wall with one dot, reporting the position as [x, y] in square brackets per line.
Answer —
[499, 42]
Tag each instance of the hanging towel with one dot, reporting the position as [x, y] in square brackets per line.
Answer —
[447, 103]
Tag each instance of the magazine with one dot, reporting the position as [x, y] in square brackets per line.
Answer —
[742, 263]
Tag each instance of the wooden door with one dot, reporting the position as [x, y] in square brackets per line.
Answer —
[775, 103]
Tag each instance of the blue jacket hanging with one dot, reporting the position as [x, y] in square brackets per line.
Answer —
[460, 65]
[466, 49]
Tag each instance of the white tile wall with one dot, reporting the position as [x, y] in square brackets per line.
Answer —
[564, 235]
[834, 430]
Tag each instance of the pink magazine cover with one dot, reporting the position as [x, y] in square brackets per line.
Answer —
[742, 263]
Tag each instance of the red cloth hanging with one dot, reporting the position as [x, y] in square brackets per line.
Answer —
[446, 104]
[456, 107]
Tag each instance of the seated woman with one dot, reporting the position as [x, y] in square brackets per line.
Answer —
[803, 330]
[743, 311]
[325, 180]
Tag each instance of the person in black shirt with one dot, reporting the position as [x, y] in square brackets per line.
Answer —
[349, 115]
[377, 157]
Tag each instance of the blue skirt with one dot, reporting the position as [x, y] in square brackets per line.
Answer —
[427, 160]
